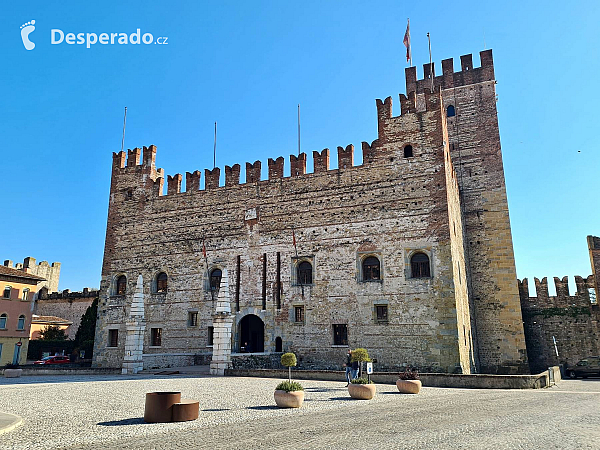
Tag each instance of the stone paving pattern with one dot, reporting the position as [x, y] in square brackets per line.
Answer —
[106, 412]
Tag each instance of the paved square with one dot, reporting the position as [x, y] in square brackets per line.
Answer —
[106, 412]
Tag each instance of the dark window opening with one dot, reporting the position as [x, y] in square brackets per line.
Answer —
[113, 338]
[381, 312]
[370, 268]
[419, 264]
[450, 112]
[129, 194]
[215, 279]
[156, 337]
[161, 282]
[7, 290]
[192, 319]
[121, 285]
[3, 319]
[278, 344]
[340, 334]
[210, 335]
[298, 313]
[408, 151]
[305, 273]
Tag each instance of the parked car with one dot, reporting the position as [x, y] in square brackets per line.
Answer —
[56, 359]
[586, 367]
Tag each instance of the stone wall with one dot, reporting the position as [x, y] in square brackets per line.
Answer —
[572, 320]
[66, 305]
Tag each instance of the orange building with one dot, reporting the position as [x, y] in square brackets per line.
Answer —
[17, 298]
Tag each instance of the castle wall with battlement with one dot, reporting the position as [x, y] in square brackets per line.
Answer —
[66, 305]
[572, 320]
[51, 272]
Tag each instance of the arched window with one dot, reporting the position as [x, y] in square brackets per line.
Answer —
[161, 282]
[370, 268]
[121, 285]
[21, 322]
[7, 290]
[215, 279]
[450, 111]
[305, 273]
[25, 296]
[408, 151]
[3, 319]
[419, 266]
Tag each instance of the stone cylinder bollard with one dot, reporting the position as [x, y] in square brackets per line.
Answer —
[159, 406]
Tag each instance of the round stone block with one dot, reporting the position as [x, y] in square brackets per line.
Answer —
[185, 410]
[159, 406]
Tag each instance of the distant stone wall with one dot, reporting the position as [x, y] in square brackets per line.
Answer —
[66, 305]
[574, 321]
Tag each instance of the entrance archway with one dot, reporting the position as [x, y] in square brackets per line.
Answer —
[252, 334]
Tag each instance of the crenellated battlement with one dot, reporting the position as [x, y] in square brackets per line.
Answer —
[450, 79]
[562, 299]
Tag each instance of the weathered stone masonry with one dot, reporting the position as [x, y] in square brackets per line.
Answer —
[445, 198]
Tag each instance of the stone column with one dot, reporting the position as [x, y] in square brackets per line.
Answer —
[136, 324]
[222, 321]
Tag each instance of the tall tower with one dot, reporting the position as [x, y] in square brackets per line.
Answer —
[470, 101]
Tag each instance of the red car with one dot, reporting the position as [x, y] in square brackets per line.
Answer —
[56, 359]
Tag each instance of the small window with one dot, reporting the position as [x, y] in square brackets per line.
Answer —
[121, 285]
[25, 295]
[113, 338]
[129, 194]
[381, 313]
[340, 334]
[192, 319]
[450, 112]
[278, 344]
[305, 273]
[408, 151]
[21, 322]
[3, 319]
[592, 293]
[156, 337]
[161, 282]
[419, 266]
[215, 279]
[370, 268]
[299, 314]
[7, 290]
[211, 332]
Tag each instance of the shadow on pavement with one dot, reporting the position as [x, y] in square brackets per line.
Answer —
[342, 398]
[115, 423]
[262, 408]
[216, 409]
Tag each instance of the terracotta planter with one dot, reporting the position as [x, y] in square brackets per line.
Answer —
[409, 386]
[292, 399]
[362, 391]
[12, 373]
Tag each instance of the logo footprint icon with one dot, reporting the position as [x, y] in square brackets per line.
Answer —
[26, 29]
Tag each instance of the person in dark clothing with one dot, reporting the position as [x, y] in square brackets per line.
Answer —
[348, 366]
[354, 369]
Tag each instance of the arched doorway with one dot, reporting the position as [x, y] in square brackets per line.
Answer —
[252, 334]
[278, 344]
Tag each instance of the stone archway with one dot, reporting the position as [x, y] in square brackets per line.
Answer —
[252, 334]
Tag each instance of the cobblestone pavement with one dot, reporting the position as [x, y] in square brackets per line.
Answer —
[106, 412]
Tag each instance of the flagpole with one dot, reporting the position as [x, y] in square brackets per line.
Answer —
[124, 122]
[430, 62]
[298, 129]
[215, 148]
[410, 50]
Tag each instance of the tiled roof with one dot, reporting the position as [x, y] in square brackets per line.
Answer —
[19, 274]
[50, 319]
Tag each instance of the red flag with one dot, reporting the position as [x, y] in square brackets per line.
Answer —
[406, 41]
[294, 237]
[203, 249]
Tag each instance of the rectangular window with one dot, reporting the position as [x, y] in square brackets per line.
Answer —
[340, 334]
[113, 338]
[299, 314]
[156, 336]
[210, 335]
[381, 313]
[25, 296]
[593, 298]
[192, 319]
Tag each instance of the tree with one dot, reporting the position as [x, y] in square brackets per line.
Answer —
[52, 333]
[361, 355]
[84, 338]
[289, 360]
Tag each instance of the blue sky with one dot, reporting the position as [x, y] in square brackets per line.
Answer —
[247, 65]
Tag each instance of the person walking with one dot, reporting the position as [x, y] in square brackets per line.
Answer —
[354, 370]
[348, 366]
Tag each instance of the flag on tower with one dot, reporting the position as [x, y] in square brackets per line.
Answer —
[203, 249]
[406, 42]
[294, 237]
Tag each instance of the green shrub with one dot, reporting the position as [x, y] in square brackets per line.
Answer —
[289, 386]
[409, 374]
[288, 359]
[362, 380]
[360, 355]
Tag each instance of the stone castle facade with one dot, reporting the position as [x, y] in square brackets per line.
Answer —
[409, 255]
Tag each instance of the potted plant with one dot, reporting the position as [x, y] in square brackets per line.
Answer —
[408, 382]
[360, 355]
[12, 371]
[289, 394]
[361, 389]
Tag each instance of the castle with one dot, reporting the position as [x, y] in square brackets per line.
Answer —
[409, 255]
